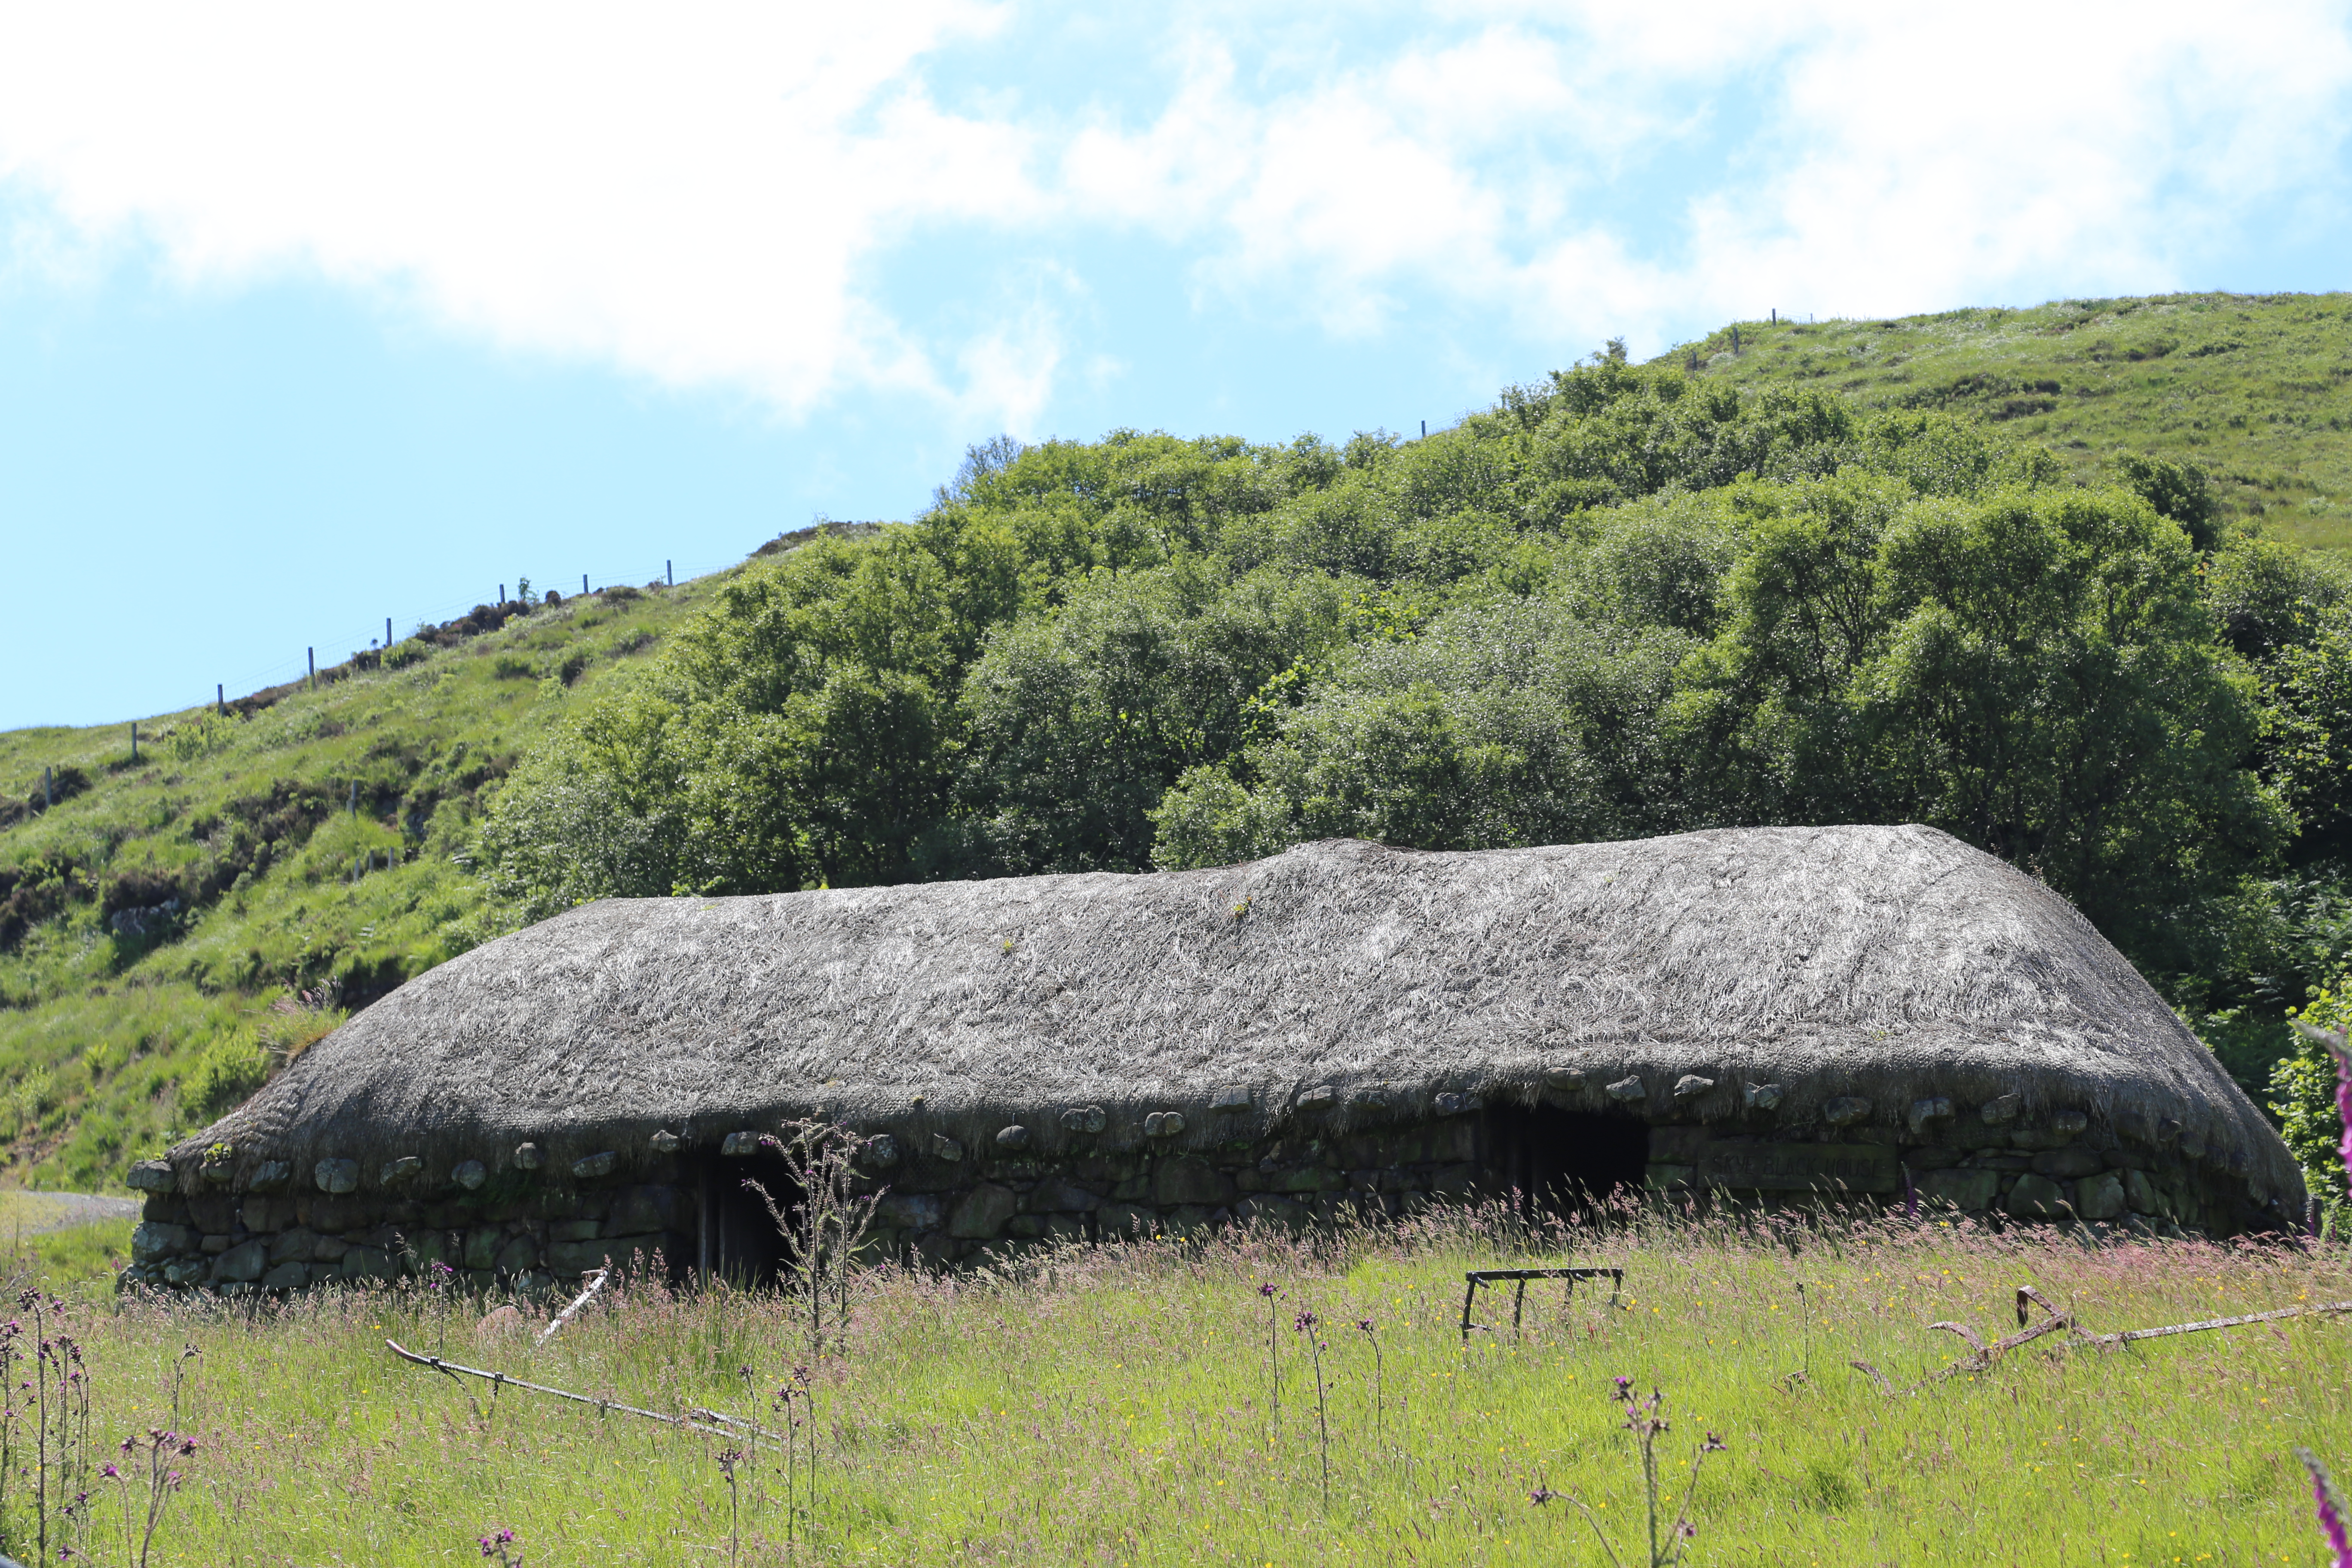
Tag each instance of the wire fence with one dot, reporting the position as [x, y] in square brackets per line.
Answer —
[334, 649]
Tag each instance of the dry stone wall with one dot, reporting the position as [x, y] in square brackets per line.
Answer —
[535, 1224]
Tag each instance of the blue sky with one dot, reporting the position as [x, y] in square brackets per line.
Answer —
[311, 316]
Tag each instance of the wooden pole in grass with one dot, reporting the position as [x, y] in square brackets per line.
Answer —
[134, 743]
[387, 634]
[220, 696]
[312, 655]
[669, 578]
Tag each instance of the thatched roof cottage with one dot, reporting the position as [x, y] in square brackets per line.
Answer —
[1850, 1014]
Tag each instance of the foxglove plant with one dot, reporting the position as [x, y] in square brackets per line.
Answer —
[2334, 1520]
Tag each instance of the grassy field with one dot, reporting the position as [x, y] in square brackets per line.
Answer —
[2257, 388]
[1117, 1406]
[193, 908]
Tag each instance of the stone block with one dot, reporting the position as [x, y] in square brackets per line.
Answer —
[654, 1207]
[1826, 1168]
[1059, 1194]
[214, 1212]
[365, 1263]
[2036, 1197]
[528, 1156]
[407, 1168]
[329, 1249]
[1275, 1211]
[481, 1249]
[1930, 1158]
[1454, 1181]
[1085, 1119]
[1015, 1136]
[286, 1276]
[170, 1210]
[905, 1211]
[262, 1213]
[2100, 1196]
[213, 1246]
[1163, 1124]
[292, 1245]
[185, 1271]
[152, 1176]
[1186, 1179]
[1845, 1111]
[1301, 1179]
[579, 1257]
[572, 1230]
[2140, 1194]
[427, 1247]
[1443, 1143]
[1963, 1189]
[2065, 1165]
[1119, 1222]
[1131, 1189]
[517, 1255]
[1025, 1227]
[1628, 1089]
[325, 1214]
[981, 1212]
[470, 1174]
[879, 1152]
[152, 1242]
[336, 1176]
[596, 1167]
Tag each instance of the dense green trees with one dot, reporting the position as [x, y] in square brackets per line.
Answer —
[1617, 603]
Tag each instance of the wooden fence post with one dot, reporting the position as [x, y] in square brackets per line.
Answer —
[312, 653]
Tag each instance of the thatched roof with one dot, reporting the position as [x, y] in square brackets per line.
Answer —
[1888, 963]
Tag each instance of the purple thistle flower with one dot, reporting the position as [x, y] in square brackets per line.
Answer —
[109, 1472]
[1713, 1445]
[1268, 1291]
[1624, 1387]
[2331, 1508]
[1365, 1324]
[1304, 1322]
[1542, 1496]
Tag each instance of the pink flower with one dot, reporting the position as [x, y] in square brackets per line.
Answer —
[2331, 1508]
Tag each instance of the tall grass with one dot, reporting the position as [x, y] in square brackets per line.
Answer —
[1109, 1406]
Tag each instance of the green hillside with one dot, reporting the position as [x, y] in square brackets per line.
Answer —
[172, 929]
[1840, 576]
[2257, 388]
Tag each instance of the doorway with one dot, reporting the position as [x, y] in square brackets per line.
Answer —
[1564, 1161]
[739, 1241]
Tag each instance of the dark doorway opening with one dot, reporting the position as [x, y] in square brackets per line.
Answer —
[739, 1239]
[1563, 1161]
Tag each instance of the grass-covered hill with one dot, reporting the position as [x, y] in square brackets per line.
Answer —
[171, 928]
[1623, 600]
[2257, 388]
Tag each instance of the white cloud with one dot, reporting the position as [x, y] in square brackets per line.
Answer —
[713, 193]
[692, 192]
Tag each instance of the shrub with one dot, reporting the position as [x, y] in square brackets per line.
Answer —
[510, 667]
[228, 1072]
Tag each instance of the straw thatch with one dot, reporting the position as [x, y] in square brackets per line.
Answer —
[1889, 964]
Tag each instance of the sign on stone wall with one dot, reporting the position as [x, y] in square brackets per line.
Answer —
[1802, 1167]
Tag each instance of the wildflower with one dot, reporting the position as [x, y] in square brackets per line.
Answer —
[1713, 1445]
[1268, 1291]
[2331, 1508]
[1542, 1496]
[1365, 1324]
[109, 1472]
[1305, 1322]
[1624, 1387]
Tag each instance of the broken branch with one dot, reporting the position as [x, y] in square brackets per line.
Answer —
[693, 1420]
